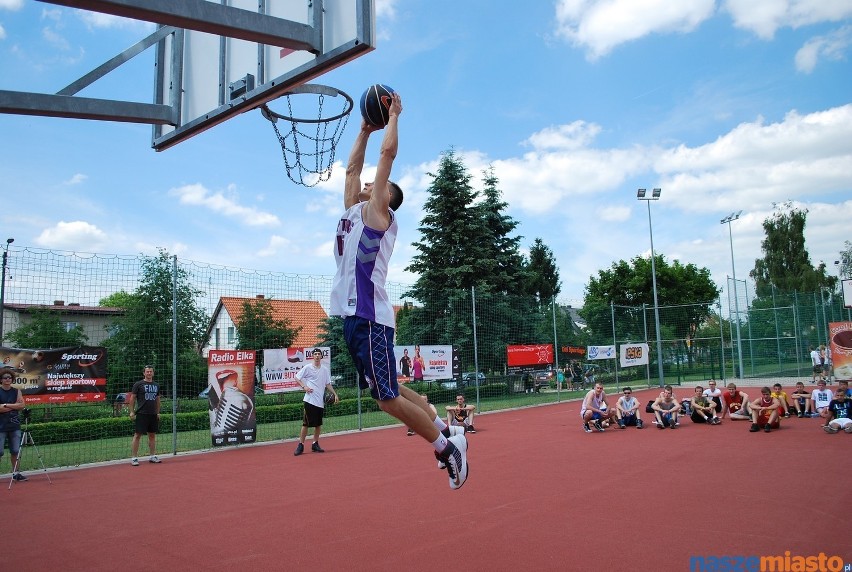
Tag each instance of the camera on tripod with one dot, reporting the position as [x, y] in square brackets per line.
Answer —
[25, 414]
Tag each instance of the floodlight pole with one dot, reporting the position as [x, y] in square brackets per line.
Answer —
[655, 196]
[3, 285]
[728, 219]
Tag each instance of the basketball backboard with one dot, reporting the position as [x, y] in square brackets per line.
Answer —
[214, 59]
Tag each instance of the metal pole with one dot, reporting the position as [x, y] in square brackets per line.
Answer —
[3, 292]
[750, 336]
[174, 355]
[555, 348]
[722, 338]
[777, 331]
[728, 219]
[475, 347]
[645, 325]
[614, 343]
[656, 303]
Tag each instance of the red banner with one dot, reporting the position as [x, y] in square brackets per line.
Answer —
[541, 354]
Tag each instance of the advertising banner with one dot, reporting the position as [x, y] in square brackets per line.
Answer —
[574, 352]
[425, 363]
[60, 375]
[633, 354]
[601, 352]
[231, 396]
[840, 344]
[280, 367]
[538, 354]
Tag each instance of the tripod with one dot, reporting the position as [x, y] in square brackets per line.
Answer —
[27, 440]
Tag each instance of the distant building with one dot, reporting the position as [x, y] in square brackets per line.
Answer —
[307, 314]
[95, 321]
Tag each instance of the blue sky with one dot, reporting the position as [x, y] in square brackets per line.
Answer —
[726, 105]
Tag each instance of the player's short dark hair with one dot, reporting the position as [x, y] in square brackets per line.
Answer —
[396, 195]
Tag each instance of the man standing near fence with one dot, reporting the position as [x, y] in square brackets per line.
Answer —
[144, 405]
[365, 239]
[314, 379]
[11, 402]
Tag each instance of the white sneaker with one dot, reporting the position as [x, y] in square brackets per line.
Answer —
[457, 466]
[134, 461]
[154, 459]
[848, 428]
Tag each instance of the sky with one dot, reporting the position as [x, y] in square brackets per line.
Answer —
[726, 105]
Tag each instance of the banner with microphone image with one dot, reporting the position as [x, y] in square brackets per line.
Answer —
[231, 397]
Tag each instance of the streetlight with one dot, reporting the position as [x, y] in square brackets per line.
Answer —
[655, 196]
[728, 219]
[3, 285]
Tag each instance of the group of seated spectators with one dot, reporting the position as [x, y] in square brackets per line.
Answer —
[711, 405]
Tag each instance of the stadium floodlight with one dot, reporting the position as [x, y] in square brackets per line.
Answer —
[727, 220]
[655, 196]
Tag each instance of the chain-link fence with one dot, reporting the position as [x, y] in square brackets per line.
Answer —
[167, 312]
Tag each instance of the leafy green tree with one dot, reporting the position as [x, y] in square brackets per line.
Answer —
[120, 299]
[331, 335]
[257, 329]
[144, 334]
[631, 284]
[786, 264]
[45, 330]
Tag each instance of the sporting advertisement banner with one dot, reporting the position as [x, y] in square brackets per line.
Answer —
[231, 397]
[59, 375]
[281, 365]
[633, 354]
[601, 352]
[426, 363]
[575, 352]
[538, 354]
[840, 344]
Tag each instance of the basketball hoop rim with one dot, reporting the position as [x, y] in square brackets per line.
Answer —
[314, 89]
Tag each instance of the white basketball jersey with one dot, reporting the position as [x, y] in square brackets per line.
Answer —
[362, 255]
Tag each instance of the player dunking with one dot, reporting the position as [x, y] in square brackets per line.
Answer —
[365, 240]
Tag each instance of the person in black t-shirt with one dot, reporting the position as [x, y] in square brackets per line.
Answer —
[144, 405]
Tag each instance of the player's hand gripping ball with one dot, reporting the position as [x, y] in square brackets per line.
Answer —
[375, 105]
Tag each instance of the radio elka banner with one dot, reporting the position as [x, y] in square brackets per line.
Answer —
[425, 363]
[281, 365]
[59, 375]
[634, 354]
[231, 396]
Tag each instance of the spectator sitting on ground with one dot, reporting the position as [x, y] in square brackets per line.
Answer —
[461, 414]
[781, 395]
[764, 411]
[839, 411]
[703, 410]
[627, 410]
[801, 400]
[820, 398]
[714, 394]
[844, 385]
[736, 404]
[666, 408]
[595, 410]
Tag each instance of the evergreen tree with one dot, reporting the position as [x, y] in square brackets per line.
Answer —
[543, 275]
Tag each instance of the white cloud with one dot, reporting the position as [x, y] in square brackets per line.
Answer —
[11, 4]
[277, 244]
[614, 213]
[572, 136]
[831, 46]
[54, 39]
[601, 25]
[803, 156]
[386, 9]
[197, 195]
[76, 179]
[76, 235]
[2, 33]
[764, 17]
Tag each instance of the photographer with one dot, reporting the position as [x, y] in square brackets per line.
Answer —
[11, 402]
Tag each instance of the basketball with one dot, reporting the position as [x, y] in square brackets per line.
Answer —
[328, 398]
[375, 104]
